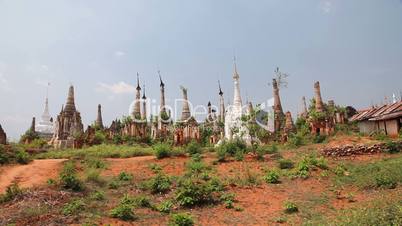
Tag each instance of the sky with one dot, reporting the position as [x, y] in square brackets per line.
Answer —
[354, 48]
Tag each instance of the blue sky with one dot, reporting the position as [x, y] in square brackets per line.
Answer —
[354, 48]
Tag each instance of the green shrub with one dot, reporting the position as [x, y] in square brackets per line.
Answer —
[124, 212]
[393, 147]
[193, 148]
[162, 150]
[159, 184]
[22, 157]
[69, 178]
[196, 167]
[195, 191]
[318, 139]
[228, 199]
[181, 219]
[123, 176]
[114, 184]
[155, 167]
[98, 195]
[385, 181]
[260, 152]
[381, 136]
[94, 162]
[142, 201]
[12, 192]
[165, 206]
[272, 177]
[340, 170]
[235, 148]
[295, 140]
[73, 207]
[290, 207]
[285, 164]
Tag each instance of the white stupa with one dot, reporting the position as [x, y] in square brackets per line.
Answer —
[234, 127]
[45, 127]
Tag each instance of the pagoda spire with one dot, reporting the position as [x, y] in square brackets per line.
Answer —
[137, 102]
[237, 102]
[163, 103]
[69, 108]
[99, 121]
[185, 114]
[144, 105]
[221, 104]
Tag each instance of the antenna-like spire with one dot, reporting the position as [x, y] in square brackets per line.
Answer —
[138, 81]
[143, 96]
[160, 78]
[235, 74]
[220, 89]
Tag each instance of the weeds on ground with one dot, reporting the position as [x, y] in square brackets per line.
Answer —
[181, 219]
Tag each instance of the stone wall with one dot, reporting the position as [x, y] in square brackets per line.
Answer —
[353, 150]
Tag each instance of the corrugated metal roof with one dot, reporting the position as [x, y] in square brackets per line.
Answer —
[384, 112]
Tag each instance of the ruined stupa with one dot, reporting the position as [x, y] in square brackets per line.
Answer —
[68, 125]
[3, 136]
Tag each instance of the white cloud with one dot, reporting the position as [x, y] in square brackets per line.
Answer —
[118, 88]
[325, 6]
[119, 54]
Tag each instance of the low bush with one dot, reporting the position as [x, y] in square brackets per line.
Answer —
[272, 177]
[123, 212]
[290, 207]
[123, 176]
[295, 140]
[165, 206]
[181, 219]
[69, 178]
[162, 150]
[22, 157]
[159, 184]
[393, 147]
[73, 207]
[382, 180]
[236, 148]
[98, 196]
[12, 192]
[193, 148]
[194, 191]
[228, 199]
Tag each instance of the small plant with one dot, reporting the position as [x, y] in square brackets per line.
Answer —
[22, 157]
[98, 195]
[340, 170]
[123, 176]
[73, 207]
[142, 201]
[193, 148]
[114, 184]
[162, 150]
[155, 167]
[159, 184]
[124, 212]
[12, 192]
[285, 164]
[384, 181]
[290, 207]
[239, 155]
[165, 207]
[280, 220]
[181, 219]
[228, 199]
[95, 163]
[239, 209]
[69, 178]
[51, 182]
[393, 147]
[272, 177]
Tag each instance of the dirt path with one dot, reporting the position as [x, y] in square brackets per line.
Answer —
[35, 173]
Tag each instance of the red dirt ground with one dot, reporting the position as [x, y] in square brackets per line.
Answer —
[33, 174]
